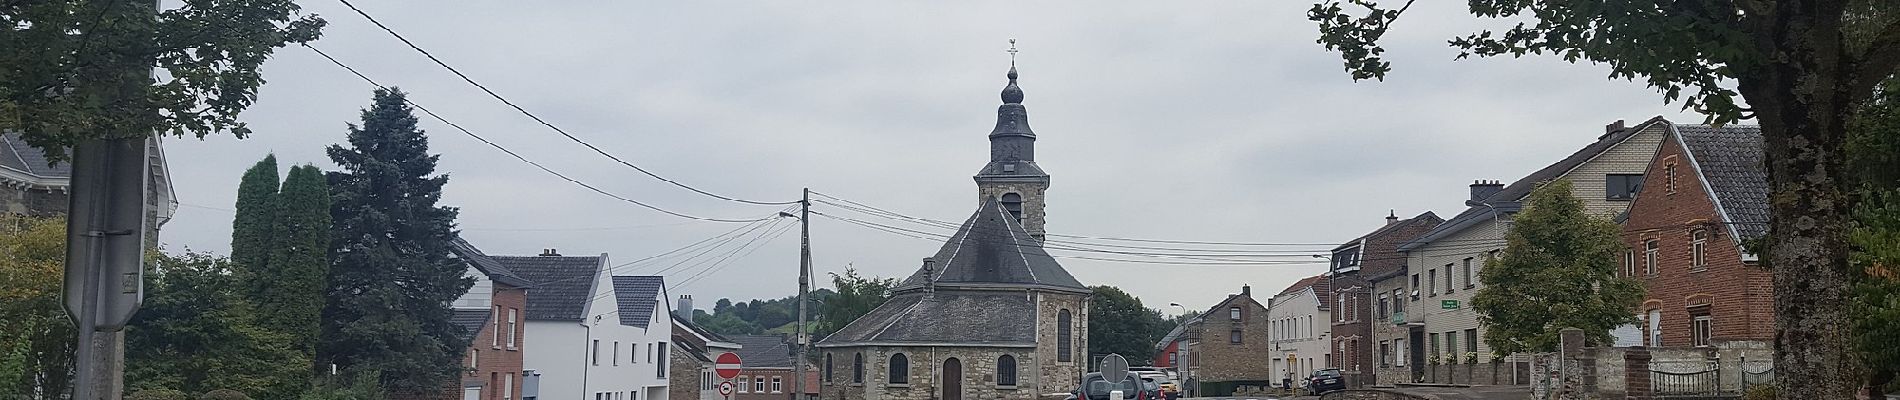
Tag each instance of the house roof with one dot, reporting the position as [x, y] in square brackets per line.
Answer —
[1319, 283]
[1730, 161]
[1175, 334]
[470, 320]
[995, 318]
[637, 297]
[16, 155]
[991, 249]
[707, 335]
[488, 265]
[1508, 200]
[698, 353]
[764, 351]
[1426, 217]
[563, 284]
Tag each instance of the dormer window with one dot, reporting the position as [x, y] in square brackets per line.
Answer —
[1014, 203]
[1009, 167]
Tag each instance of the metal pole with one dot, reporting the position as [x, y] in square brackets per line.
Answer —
[804, 287]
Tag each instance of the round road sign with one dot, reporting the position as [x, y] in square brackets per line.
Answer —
[727, 365]
[725, 388]
[1114, 369]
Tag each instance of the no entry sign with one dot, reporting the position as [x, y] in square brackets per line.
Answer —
[727, 365]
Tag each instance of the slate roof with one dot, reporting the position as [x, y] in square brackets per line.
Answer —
[488, 265]
[1731, 164]
[637, 297]
[687, 322]
[470, 320]
[994, 318]
[15, 154]
[697, 352]
[992, 250]
[1320, 284]
[563, 284]
[1508, 200]
[764, 351]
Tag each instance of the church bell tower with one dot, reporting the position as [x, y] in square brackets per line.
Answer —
[1012, 177]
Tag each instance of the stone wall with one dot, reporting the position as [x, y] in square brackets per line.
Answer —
[926, 367]
[1374, 394]
[1034, 212]
[1218, 359]
[32, 201]
[1057, 375]
[683, 377]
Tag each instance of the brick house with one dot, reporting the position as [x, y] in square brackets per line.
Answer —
[1355, 309]
[491, 314]
[1707, 195]
[1227, 345]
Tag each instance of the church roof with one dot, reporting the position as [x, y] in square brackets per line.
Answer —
[981, 318]
[16, 155]
[991, 249]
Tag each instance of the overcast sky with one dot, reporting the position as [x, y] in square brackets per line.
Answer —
[1216, 121]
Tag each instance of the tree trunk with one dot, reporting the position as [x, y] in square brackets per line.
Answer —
[1803, 97]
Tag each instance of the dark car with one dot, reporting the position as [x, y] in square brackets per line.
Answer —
[1325, 380]
[1095, 388]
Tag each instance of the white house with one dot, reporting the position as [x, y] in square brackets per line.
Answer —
[593, 336]
[1300, 330]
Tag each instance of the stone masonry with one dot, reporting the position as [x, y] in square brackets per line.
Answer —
[1035, 213]
[1218, 358]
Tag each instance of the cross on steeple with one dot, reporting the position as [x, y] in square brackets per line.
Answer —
[1012, 52]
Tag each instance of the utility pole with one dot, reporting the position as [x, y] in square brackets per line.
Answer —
[803, 339]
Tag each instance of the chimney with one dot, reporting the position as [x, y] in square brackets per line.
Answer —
[685, 306]
[930, 275]
[1481, 190]
[1392, 217]
[550, 253]
[1246, 290]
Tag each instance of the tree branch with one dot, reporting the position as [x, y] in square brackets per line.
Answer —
[1880, 60]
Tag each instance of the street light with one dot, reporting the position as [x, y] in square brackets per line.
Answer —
[1181, 351]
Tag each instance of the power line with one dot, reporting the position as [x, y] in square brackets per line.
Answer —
[511, 153]
[941, 224]
[557, 129]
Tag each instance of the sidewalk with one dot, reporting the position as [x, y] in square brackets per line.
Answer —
[1481, 392]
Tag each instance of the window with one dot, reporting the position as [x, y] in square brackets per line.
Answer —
[778, 385]
[649, 352]
[513, 327]
[473, 355]
[1451, 346]
[1006, 370]
[596, 359]
[1234, 336]
[1434, 345]
[1471, 340]
[1655, 328]
[828, 377]
[616, 354]
[1629, 263]
[1469, 275]
[758, 384]
[1698, 241]
[1414, 287]
[1233, 313]
[1400, 352]
[1431, 284]
[1065, 345]
[1448, 276]
[1622, 186]
[1384, 312]
[1385, 353]
[1650, 247]
[744, 384]
[857, 368]
[660, 369]
[1014, 203]
[1701, 325]
[494, 334]
[1669, 173]
[1397, 305]
[508, 386]
[900, 369]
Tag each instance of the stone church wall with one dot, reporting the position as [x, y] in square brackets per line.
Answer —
[1062, 376]
[1034, 211]
[926, 367]
[16, 200]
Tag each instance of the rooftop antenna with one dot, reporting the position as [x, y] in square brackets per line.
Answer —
[1012, 52]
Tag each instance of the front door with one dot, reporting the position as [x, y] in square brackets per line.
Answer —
[952, 379]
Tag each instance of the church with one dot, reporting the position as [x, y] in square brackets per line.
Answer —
[991, 315]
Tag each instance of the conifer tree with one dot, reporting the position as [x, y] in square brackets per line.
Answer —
[251, 235]
[290, 299]
[1558, 271]
[391, 276]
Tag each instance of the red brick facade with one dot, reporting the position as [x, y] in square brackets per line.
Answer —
[1671, 213]
[1355, 307]
[497, 365]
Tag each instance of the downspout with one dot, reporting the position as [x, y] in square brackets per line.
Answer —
[587, 350]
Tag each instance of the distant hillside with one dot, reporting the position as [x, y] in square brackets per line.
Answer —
[761, 316]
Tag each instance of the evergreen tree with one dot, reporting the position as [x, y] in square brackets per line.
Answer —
[290, 299]
[197, 333]
[1558, 271]
[251, 229]
[391, 278]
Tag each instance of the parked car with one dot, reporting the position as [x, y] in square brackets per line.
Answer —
[1325, 380]
[1169, 390]
[1133, 388]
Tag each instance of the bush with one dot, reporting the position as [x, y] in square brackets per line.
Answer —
[361, 386]
[224, 394]
[158, 394]
[1761, 392]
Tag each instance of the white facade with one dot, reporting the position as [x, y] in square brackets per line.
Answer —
[601, 358]
[1301, 335]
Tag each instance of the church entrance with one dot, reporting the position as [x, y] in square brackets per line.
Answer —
[952, 379]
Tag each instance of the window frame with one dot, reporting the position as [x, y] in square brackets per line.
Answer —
[596, 359]
[778, 384]
[1701, 329]
[514, 326]
[1234, 336]
[857, 369]
[616, 354]
[1414, 287]
[1698, 250]
[1065, 332]
[897, 370]
[1650, 249]
[1431, 281]
[1233, 313]
[1471, 340]
[494, 335]
[1630, 187]
[1006, 371]
[1470, 274]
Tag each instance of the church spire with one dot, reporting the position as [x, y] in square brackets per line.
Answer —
[1012, 177]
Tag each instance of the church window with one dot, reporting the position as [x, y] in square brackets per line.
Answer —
[857, 368]
[1014, 203]
[1006, 370]
[900, 369]
[1065, 351]
[827, 367]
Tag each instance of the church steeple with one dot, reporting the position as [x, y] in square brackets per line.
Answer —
[1012, 177]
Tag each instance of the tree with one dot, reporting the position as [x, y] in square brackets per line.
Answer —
[81, 69]
[1119, 324]
[856, 295]
[36, 341]
[391, 279]
[1802, 66]
[253, 228]
[1874, 156]
[1558, 271]
[291, 300]
[196, 332]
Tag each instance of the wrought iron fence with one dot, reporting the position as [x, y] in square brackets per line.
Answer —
[1685, 378]
[1757, 373]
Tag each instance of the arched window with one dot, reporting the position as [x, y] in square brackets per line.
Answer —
[900, 369]
[1006, 370]
[857, 368]
[827, 367]
[1014, 203]
[1065, 344]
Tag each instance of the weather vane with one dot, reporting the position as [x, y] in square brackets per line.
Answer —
[1012, 52]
